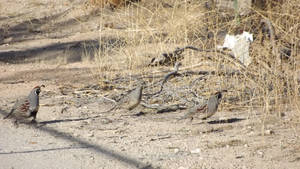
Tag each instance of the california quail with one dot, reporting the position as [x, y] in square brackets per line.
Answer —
[26, 107]
[134, 98]
[206, 109]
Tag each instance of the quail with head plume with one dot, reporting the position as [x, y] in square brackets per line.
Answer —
[26, 107]
[206, 109]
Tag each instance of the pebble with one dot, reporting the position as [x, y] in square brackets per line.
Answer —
[176, 150]
[182, 167]
[195, 151]
[260, 153]
[269, 132]
[90, 135]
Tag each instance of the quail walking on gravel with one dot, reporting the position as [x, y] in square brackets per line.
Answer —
[206, 109]
[26, 107]
[134, 98]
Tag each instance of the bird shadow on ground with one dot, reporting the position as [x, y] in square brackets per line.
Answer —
[231, 120]
[224, 121]
[100, 149]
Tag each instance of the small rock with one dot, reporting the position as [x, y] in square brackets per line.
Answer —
[182, 167]
[252, 133]
[269, 132]
[106, 121]
[176, 150]
[160, 159]
[260, 153]
[7, 40]
[196, 151]
[125, 123]
[89, 121]
[239, 156]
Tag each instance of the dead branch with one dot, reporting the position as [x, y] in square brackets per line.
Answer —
[170, 108]
[173, 57]
[173, 73]
[168, 59]
[164, 108]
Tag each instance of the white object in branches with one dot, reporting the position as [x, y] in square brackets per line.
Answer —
[239, 44]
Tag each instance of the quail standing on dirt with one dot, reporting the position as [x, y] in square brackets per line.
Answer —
[206, 109]
[134, 98]
[26, 107]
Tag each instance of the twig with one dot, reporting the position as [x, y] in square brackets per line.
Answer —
[164, 108]
[174, 72]
[170, 108]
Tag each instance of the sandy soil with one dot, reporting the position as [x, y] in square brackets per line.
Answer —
[87, 138]
[75, 131]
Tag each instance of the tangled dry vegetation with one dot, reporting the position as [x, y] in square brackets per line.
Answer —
[155, 28]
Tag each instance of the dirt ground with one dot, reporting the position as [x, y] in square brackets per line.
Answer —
[75, 131]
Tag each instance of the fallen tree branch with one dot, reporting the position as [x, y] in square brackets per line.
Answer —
[173, 73]
[164, 108]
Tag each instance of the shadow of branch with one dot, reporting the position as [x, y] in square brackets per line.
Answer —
[43, 123]
[43, 150]
[96, 148]
[61, 121]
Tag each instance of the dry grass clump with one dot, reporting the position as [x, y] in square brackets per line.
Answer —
[150, 28]
[112, 3]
